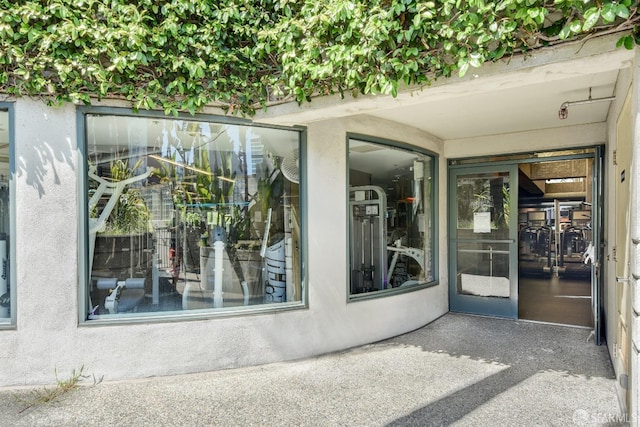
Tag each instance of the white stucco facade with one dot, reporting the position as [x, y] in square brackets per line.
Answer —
[48, 335]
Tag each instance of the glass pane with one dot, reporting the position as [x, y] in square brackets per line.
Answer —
[483, 206]
[483, 269]
[391, 217]
[6, 290]
[188, 215]
[483, 216]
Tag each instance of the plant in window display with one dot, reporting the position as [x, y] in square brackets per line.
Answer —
[119, 221]
[129, 214]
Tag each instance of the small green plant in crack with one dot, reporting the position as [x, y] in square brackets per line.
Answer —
[47, 395]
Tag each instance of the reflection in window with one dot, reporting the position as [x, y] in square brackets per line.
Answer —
[483, 213]
[483, 204]
[6, 288]
[190, 215]
[391, 217]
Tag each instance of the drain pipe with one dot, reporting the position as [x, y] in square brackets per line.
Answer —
[564, 108]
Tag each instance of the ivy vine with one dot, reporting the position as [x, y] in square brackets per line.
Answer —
[245, 54]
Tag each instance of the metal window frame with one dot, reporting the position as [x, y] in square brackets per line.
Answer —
[186, 315]
[435, 255]
[11, 322]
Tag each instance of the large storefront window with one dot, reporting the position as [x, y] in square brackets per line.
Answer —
[391, 215]
[190, 215]
[7, 291]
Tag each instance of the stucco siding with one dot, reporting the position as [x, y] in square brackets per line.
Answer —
[49, 338]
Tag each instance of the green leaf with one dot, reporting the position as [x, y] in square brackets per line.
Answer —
[628, 42]
[408, 34]
[575, 26]
[622, 11]
[499, 53]
[503, 5]
[591, 17]
[565, 32]
[463, 67]
[476, 60]
[609, 12]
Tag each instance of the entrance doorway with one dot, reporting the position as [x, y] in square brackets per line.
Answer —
[524, 235]
[555, 236]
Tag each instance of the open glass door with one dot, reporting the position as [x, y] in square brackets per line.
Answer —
[483, 274]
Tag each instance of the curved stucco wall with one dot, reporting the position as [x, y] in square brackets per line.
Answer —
[48, 338]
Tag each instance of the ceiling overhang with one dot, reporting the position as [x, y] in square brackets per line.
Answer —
[523, 93]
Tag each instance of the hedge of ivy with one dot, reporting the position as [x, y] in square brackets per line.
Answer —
[242, 54]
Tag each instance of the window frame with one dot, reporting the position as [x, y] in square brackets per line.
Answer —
[172, 316]
[11, 321]
[433, 215]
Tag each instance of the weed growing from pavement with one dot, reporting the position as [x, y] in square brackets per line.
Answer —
[45, 395]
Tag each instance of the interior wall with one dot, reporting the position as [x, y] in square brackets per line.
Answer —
[48, 339]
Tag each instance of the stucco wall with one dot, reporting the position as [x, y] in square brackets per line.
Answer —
[634, 248]
[526, 142]
[48, 337]
[609, 262]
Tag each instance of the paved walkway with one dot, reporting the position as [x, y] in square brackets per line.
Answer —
[459, 370]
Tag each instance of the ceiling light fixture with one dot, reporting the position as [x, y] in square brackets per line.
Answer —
[563, 113]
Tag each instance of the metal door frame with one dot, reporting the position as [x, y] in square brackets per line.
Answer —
[492, 306]
[597, 274]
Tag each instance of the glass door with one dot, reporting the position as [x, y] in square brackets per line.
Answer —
[483, 251]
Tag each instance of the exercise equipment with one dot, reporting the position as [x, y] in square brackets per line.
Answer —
[124, 295]
[114, 190]
[535, 242]
[397, 278]
[96, 225]
[367, 238]
[575, 241]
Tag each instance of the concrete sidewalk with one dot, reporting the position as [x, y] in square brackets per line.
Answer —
[459, 370]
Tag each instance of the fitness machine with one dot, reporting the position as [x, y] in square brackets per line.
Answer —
[575, 241]
[367, 207]
[376, 265]
[117, 290]
[535, 245]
